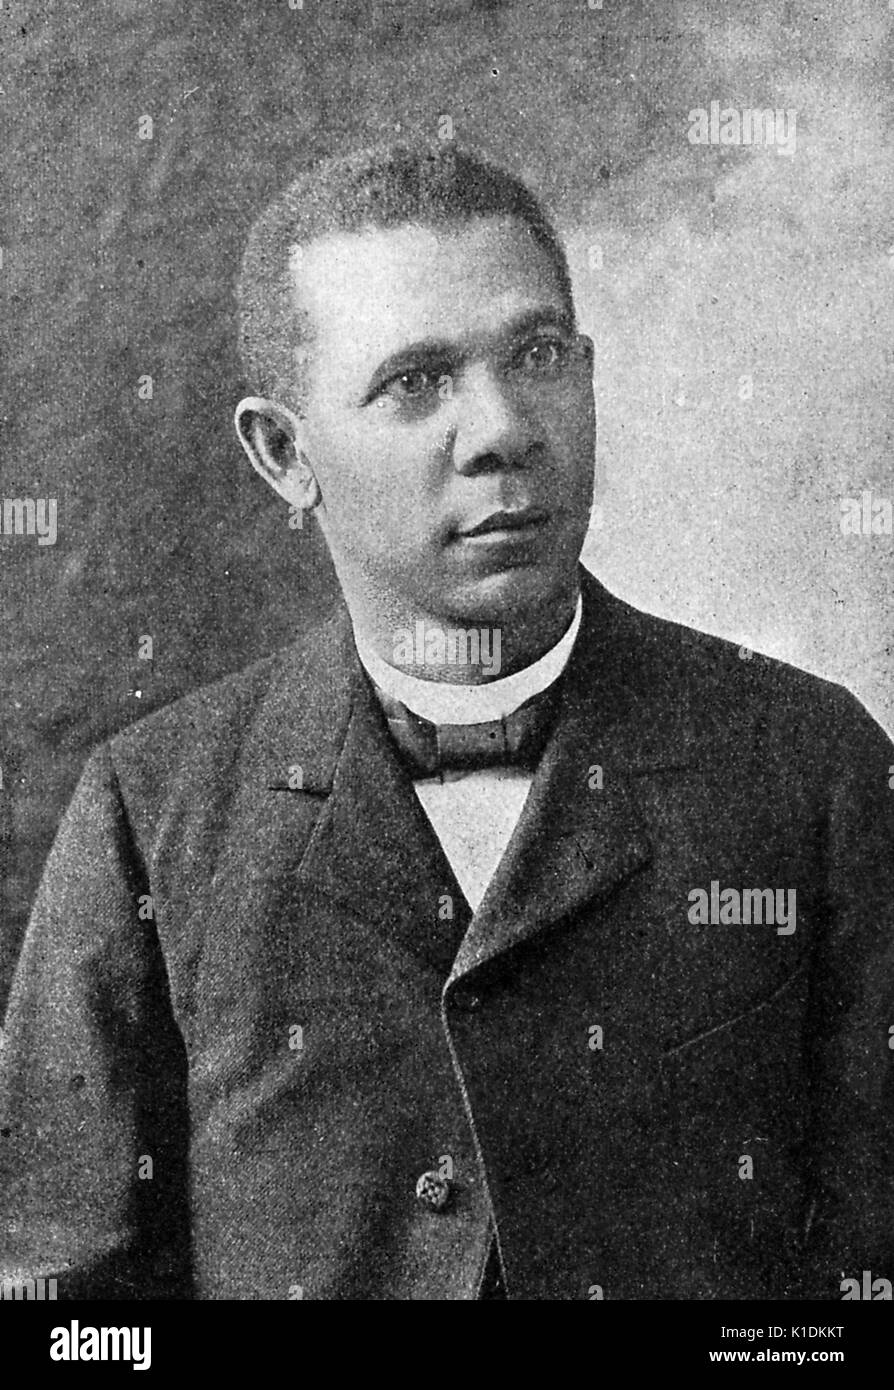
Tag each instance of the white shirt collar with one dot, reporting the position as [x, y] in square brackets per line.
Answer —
[443, 703]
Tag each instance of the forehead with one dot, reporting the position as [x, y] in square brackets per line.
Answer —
[369, 293]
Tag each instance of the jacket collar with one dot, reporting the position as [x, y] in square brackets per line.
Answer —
[372, 848]
[581, 833]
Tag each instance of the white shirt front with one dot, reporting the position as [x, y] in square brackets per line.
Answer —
[474, 813]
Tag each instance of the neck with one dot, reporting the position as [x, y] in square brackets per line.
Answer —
[466, 650]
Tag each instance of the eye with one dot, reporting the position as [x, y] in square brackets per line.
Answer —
[543, 356]
[412, 384]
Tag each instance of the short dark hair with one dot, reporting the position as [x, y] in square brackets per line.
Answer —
[427, 185]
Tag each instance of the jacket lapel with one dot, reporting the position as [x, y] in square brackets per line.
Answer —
[582, 832]
[372, 849]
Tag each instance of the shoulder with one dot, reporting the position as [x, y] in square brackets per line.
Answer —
[199, 740]
[203, 716]
[728, 685]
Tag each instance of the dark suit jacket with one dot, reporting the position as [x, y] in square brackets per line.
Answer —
[464, 1044]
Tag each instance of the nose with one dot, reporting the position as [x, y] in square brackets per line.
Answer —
[492, 428]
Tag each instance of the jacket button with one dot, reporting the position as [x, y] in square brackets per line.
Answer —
[433, 1191]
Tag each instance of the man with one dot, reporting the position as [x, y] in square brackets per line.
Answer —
[498, 941]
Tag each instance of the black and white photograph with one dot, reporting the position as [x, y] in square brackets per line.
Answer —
[447, 564]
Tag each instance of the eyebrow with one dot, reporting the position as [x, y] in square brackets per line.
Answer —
[441, 350]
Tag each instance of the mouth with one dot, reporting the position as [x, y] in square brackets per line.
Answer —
[509, 525]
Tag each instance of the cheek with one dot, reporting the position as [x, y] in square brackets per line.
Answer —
[347, 468]
[373, 477]
[574, 419]
[572, 442]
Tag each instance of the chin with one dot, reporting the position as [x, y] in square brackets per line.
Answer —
[506, 594]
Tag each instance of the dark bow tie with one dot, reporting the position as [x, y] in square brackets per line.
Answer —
[429, 750]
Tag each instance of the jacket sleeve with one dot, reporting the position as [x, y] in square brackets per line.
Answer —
[850, 1042]
[93, 1116]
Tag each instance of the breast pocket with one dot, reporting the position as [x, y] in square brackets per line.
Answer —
[735, 1098]
[771, 1017]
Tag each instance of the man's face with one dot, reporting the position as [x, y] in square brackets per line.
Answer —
[450, 418]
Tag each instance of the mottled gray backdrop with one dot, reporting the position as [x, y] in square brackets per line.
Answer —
[697, 268]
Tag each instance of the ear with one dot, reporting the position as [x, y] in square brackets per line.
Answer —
[587, 349]
[271, 435]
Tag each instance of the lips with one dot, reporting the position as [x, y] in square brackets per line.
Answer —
[520, 519]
